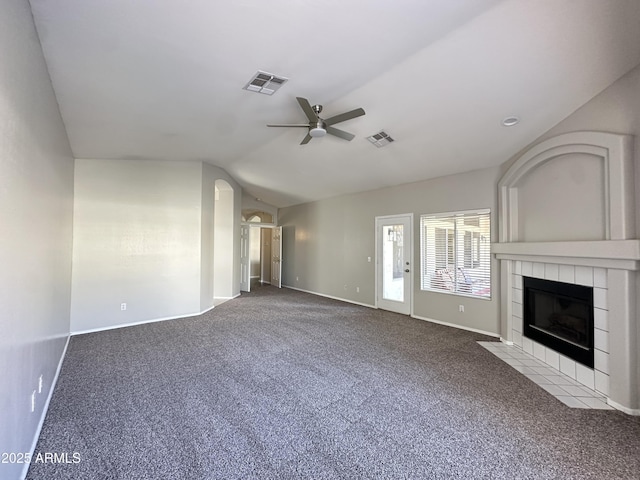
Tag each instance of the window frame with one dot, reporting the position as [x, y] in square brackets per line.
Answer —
[430, 265]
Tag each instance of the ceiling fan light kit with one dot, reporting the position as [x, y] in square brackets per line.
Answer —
[319, 127]
[317, 132]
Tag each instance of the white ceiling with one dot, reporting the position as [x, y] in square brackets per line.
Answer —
[162, 79]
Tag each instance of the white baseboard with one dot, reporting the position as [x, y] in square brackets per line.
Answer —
[329, 296]
[225, 298]
[629, 411]
[506, 342]
[142, 322]
[454, 325]
[45, 408]
[470, 329]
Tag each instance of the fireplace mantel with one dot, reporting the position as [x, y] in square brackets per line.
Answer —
[618, 254]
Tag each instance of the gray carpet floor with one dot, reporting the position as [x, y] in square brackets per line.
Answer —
[279, 384]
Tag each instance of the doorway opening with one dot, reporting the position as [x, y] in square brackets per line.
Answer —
[260, 253]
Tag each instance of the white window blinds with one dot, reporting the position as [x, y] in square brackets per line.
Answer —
[456, 253]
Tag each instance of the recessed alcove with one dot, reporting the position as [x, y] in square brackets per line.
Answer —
[563, 200]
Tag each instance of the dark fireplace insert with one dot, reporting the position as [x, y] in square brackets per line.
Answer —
[560, 316]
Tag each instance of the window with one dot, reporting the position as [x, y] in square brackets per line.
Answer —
[455, 253]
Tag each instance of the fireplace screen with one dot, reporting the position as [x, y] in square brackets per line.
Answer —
[560, 316]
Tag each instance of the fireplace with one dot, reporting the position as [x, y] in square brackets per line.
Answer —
[560, 316]
[541, 235]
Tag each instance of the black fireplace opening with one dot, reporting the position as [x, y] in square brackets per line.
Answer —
[560, 316]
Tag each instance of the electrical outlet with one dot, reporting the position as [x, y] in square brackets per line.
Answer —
[357, 289]
[40, 384]
[297, 279]
[369, 259]
[123, 306]
[461, 308]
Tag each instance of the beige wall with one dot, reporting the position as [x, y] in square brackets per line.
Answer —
[326, 243]
[36, 195]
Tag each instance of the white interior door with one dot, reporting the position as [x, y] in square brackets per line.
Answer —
[276, 257]
[245, 259]
[393, 263]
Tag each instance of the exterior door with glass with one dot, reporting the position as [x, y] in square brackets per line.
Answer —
[393, 263]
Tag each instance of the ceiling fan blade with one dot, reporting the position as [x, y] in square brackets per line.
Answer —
[340, 133]
[306, 140]
[358, 112]
[308, 111]
[306, 125]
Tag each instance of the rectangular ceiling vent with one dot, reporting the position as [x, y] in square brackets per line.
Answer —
[266, 83]
[380, 139]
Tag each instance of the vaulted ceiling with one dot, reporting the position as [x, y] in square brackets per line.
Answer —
[162, 79]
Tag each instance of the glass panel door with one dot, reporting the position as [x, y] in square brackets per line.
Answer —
[392, 257]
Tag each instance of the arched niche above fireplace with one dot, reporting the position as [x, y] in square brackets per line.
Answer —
[574, 187]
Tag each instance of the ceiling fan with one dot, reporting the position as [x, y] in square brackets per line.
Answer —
[319, 127]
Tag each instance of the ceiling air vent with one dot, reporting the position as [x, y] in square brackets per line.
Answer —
[380, 139]
[263, 82]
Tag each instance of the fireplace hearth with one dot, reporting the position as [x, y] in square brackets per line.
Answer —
[560, 316]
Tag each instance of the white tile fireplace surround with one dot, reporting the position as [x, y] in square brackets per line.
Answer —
[566, 213]
[597, 378]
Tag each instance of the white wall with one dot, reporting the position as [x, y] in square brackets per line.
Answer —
[250, 203]
[326, 243]
[36, 190]
[136, 240]
[223, 259]
[207, 219]
[145, 235]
